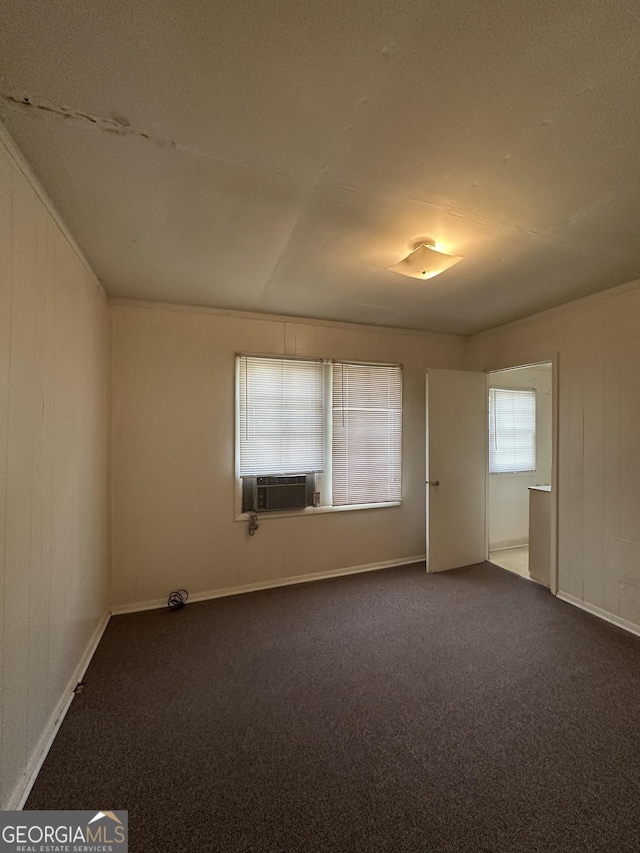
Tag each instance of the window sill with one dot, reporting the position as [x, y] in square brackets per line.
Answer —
[315, 510]
[511, 473]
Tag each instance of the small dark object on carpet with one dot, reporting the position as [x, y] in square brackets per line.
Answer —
[177, 599]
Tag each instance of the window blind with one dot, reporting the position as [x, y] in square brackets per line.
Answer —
[512, 431]
[366, 433]
[280, 416]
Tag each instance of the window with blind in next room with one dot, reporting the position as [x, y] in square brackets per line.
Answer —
[512, 430]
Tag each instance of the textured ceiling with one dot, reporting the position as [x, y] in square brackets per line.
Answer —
[280, 156]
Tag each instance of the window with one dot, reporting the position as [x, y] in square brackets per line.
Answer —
[367, 433]
[512, 430]
[280, 417]
[341, 421]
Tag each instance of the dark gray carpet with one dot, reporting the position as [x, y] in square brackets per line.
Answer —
[391, 711]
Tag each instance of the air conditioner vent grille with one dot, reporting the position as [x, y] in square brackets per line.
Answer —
[269, 494]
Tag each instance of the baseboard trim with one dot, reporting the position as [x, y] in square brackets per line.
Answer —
[631, 627]
[24, 786]
[519, 544]
[255, 587]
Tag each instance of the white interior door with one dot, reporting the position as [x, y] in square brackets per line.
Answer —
[456, 461]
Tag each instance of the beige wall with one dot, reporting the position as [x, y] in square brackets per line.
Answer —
[598, 348]
[172, 476]
[53, 574]
[509, 493]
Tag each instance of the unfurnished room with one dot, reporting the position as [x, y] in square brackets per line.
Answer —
[319, 406]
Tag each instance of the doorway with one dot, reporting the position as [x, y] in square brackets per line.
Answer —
[520, 439]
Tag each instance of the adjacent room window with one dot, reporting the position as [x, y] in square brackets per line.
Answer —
[302, 416]
[512, 430]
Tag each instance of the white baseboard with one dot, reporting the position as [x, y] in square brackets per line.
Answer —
[23, 788]
[631, 627]
[502, 546]
[254, 587]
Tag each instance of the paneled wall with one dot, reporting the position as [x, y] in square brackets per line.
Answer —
[53, 573]
[598, 344]
[173, 459]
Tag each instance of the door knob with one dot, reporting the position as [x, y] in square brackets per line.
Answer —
[435, 483]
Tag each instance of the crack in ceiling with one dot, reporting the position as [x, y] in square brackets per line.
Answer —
[117, 125]
[44, 108]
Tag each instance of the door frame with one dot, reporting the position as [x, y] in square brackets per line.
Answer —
[531, 362]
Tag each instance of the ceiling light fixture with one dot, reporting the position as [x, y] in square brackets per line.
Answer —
[425, 261]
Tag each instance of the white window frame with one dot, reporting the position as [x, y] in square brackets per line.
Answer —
[323, 479]
[495, 468]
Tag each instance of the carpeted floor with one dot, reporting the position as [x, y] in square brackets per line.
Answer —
[390, 711]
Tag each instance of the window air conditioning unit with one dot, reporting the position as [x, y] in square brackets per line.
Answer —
[270, 494]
